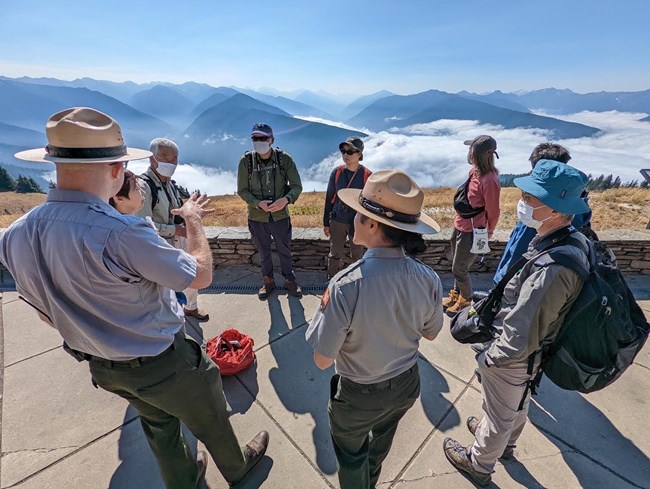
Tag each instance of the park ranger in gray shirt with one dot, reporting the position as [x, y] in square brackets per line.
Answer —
[370, 321]
[105, 281]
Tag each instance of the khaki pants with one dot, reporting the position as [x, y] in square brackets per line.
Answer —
[339, 234]
[191, 294]
[502, 423]
[462, 259]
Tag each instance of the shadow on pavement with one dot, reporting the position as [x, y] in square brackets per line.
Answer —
[567, 418]
[300, 385]
[432, 385]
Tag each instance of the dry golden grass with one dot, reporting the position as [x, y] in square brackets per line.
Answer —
[612, 209]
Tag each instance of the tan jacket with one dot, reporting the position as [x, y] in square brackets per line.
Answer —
[161, 214]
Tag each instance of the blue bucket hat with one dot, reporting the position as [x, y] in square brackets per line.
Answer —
[558, 185]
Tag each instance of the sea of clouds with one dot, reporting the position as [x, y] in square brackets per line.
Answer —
[434, 154]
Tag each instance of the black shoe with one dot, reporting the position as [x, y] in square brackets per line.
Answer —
[472, 424]
[459, 458]
[267, 287]
[253, 453]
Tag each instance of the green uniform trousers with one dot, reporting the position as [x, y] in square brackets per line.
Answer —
[363, 421]
[181, 384]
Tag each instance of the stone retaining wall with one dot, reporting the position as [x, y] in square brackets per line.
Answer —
[310, 247]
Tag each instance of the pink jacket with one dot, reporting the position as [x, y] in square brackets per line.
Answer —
[483, 191]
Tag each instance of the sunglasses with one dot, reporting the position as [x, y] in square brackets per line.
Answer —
[349, 152]
[260, 138]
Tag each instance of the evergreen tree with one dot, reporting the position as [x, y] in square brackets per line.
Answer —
[25, 185]
[7, 183]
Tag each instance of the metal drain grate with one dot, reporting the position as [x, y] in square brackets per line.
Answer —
[308, 289]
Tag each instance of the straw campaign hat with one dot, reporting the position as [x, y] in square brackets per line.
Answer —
[83, 135]
[391, 197]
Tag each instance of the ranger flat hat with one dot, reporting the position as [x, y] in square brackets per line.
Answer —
[391, 197]
[83, 135]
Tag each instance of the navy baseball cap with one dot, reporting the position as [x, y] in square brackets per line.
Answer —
[558, 185]
[261, 129]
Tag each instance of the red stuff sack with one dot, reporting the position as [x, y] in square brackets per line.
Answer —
[232, 351]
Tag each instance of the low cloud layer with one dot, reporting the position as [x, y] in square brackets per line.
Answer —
[434, 154]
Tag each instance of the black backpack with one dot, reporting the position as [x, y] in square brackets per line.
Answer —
[603, 331]
[461, 202]
[283, 170]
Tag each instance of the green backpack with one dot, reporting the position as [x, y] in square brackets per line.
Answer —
[603, 331]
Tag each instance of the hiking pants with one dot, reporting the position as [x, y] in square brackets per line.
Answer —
[192, 295]
[503, 389]
[363, 421]
[180, 384]
[280, 232]
[462, 259]
[339, 234]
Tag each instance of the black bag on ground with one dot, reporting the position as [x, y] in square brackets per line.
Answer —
[461, 202]
[603, 331]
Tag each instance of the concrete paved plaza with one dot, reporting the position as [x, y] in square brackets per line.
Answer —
[60, 432]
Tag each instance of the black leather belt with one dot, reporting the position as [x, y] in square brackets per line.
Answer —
[133, 363]
[379, 386]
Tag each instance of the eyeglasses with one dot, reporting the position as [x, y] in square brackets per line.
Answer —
[126, 163]
[349, 152]
[260, 138]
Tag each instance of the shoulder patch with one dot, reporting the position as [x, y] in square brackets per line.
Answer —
[325, 300]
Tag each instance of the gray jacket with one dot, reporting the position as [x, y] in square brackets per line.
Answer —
[534, 305]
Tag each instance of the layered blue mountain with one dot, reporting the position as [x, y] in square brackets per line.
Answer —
[19, 136]
[646, 119]
[220, 135]
[293, 107]
[30, 105]
[565, 101]
[163, 102]
[400, 111]
[322, 101]
[361, 103]
[496, 98]
[220, 94]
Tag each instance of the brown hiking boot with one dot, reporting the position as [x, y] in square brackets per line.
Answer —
[472, 425]
[267, 287]
[253, 453]
[292, 287]
[458, 456]
[460, 303]
[450, 300]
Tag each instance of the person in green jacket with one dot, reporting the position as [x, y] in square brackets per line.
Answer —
[268, 181]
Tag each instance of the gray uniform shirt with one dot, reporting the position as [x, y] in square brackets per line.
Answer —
[534, 305]
[374, 313]
[104, 279]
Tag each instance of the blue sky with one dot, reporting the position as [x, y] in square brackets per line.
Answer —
[351, 47]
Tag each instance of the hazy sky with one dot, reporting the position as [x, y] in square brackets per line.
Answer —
[351, 47]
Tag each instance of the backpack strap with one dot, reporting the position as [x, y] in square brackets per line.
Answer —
[153, 187]
[249, 155]
[339, 170]
[366, 174]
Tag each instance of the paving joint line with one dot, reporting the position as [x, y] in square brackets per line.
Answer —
[33, 356]
[74, 452]
[424, 443]
[284, 432]
[282, 336]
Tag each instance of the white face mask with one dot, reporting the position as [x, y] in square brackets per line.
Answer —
[166, 169]
[261, 147]
[525, 215]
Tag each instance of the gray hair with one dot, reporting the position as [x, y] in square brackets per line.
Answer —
[157, 143]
